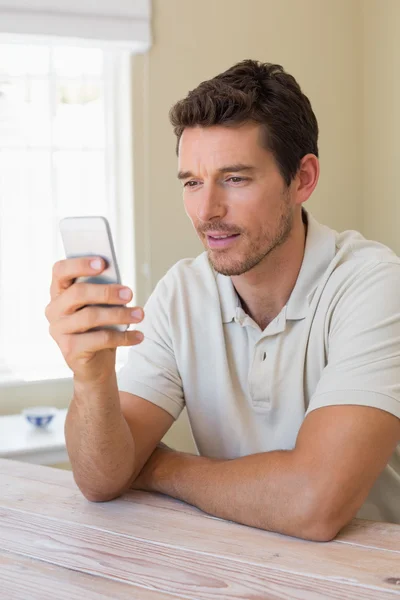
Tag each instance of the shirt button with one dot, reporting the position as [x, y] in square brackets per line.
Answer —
[263, 356]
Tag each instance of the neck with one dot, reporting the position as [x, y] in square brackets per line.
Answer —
[265, 289]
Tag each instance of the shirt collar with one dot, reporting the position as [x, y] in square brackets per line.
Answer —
[229, 299]
[319, 251]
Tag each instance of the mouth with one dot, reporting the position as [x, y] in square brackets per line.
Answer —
[221, 241]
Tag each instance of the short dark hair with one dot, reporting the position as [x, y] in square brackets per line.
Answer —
[252, 91]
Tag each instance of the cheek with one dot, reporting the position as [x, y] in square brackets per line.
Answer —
[190, 209]
[249, 206]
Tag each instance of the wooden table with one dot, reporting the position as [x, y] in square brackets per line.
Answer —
[55, 544]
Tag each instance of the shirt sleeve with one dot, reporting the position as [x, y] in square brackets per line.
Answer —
[151, 371]
[363, 363]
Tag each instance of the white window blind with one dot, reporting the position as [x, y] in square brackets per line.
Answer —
[123, 23]
[64, 150]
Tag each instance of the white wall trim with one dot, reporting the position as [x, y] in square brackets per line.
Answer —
[125, 25]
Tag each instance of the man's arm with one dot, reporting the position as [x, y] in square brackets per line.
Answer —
[110, 435]
[309, 492]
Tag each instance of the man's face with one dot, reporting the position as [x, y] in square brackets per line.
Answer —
[233, 187]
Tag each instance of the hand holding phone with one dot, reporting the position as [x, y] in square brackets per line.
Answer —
[91, 236]
[87, 313]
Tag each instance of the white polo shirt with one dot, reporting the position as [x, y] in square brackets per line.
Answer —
[336, 341]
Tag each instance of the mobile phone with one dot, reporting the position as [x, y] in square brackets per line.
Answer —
[91, 236]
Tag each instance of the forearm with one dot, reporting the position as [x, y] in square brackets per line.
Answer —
[269, 491]
[99, 441]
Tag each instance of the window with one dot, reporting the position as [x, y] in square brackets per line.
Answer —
[64, 151]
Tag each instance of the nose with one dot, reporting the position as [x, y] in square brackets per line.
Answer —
[210, 203]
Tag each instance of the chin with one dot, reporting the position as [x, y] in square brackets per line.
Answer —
[229, 266]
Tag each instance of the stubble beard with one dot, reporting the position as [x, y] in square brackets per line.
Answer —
[258, 249]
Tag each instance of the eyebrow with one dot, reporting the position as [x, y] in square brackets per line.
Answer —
[228, 169]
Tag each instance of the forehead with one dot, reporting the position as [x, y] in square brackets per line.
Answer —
[219, 145]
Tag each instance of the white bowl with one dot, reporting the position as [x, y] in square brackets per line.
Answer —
[40, 416]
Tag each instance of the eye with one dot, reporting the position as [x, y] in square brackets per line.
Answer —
[190, 184]
[237, 179]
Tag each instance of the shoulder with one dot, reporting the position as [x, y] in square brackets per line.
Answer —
[196, 272]
[187, 268]
[363, 283]
[353, 246]
[189, 281]
[360, 276]
[361, 266]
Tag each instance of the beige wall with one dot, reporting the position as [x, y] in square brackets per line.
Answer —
[381, 87]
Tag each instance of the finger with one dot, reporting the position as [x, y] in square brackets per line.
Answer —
[95, 341]
[80, 295]
[95, 316]
[66, 271]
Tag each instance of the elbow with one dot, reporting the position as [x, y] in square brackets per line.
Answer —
[323, 521]
[97, 496]
[314, 515]
[99, 493]
[99, 487]
[320, 531]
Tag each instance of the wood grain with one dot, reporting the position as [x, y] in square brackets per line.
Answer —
[161, 567]
[166, 521]
[24, 578]
[359, 532]
[178, 549]
[371, 534]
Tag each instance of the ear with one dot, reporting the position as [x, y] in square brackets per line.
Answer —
[306, 178]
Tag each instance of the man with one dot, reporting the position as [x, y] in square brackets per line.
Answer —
[282, 339]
